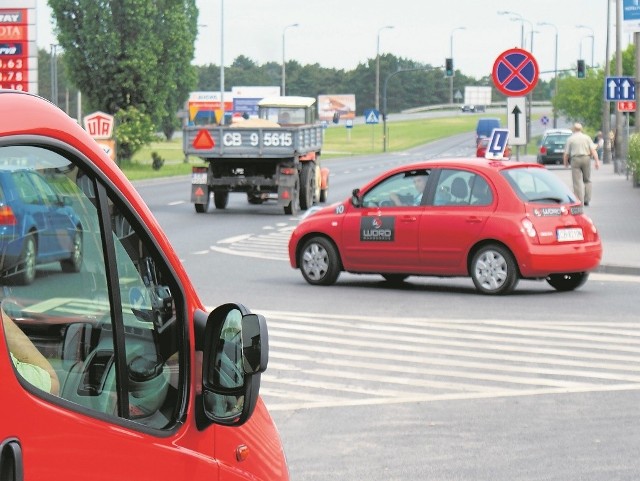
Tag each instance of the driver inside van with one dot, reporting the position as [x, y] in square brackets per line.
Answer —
[29, 362]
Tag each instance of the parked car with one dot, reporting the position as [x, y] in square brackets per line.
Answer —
[483, 143]
[551, 150]
[468, 108]
[37, 226]
[118, 371]
[496, 222]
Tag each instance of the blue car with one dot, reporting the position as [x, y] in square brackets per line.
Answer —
[37, 226]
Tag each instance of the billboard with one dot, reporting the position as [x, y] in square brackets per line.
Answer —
[18, 51]
[337, 107]
[204, 108]
[245, 99]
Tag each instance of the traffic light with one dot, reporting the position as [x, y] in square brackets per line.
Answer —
[448, 67]
[581, 69]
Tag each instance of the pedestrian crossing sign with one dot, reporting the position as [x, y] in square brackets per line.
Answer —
[371, 116]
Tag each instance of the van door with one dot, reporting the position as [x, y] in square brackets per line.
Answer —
[94, 363]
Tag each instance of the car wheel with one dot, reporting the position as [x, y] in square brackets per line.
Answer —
[221, 199]
[494, 270]
[567, 282]
[27, 262]
[319, 262]
[74, 263]
[394, 278]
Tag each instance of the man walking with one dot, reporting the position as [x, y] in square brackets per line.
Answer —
[578, 151]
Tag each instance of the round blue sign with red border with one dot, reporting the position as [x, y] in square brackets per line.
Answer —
[515, 72]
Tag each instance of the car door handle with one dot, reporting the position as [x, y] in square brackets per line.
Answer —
[408, 218]
[474, 219]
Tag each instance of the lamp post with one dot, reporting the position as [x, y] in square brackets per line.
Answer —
[451, 56]
[592, 40]
[54, 73]
[377, 94]
[555, 69]
[284, 30]
[221, 62]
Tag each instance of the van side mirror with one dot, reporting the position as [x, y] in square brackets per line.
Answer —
[236, 352]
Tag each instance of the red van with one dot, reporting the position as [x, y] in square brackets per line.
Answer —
[115, 370]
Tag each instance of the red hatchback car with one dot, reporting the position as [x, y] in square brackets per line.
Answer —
[495, 221]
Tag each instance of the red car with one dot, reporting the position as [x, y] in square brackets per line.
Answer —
[118, 371]
[481, 148]
[494, 221]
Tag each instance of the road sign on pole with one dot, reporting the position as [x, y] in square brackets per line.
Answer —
[619, 88]
[517, 120]
[515, 72]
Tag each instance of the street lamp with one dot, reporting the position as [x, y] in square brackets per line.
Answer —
[221, 62]
[592, 40]
[451, 56]
[54, 73]
[283, 57]
[516, 17]
[377, 95]
[555, 69]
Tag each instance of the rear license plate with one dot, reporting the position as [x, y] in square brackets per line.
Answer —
[570, 234]
[199, 178]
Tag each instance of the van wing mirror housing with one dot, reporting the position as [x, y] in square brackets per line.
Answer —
[236, 353]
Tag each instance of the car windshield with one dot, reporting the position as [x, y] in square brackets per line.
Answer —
[533, 184]
[559, 139]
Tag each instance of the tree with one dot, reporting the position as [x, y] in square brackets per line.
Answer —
[129, 53]
[580, 100]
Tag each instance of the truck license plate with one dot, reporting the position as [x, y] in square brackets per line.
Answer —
[199, 178]
[570, 234]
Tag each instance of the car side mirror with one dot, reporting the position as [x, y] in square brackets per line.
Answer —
[355, 198]
[236, 352]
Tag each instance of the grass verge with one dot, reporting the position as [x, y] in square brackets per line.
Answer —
[339, 141]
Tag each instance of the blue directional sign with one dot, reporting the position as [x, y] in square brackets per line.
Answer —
[497, 144]
[371, 116]
[619, 88]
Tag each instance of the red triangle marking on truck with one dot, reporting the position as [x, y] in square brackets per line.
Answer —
[203, 140]
[199, 191]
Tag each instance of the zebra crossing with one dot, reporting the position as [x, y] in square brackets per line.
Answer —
[272, 244]
[322, 360]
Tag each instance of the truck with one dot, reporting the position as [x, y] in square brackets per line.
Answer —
[273, 157]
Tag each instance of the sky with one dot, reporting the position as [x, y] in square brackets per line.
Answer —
[344, 33]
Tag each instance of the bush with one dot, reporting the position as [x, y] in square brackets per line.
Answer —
[158, 161]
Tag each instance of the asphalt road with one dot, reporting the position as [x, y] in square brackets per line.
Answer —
[429, 380]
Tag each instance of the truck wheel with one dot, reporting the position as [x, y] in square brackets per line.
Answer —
[202, 208]
[294, 206]
[220, 199]
[307, 185]
[324, 194]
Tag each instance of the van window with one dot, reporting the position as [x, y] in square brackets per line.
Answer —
[91, 295]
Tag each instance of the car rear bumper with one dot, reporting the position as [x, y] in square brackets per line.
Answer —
[558, 259]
